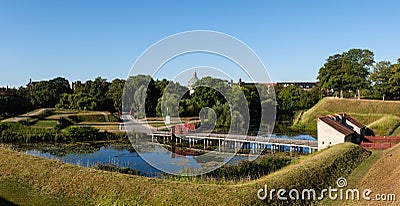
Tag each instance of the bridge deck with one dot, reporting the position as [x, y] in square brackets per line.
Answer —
[244, 138]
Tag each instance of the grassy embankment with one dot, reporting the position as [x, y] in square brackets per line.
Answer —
[383, 177]
[51, 118]
[53, 125]
[89, 186]
[383, 117]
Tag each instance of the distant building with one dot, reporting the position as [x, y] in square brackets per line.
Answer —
[6, 91]
[338, 128]
[303, 85]
[192, 82]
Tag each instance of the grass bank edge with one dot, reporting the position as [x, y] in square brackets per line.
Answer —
[100, 187]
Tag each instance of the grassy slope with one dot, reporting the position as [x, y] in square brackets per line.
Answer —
[101, 125]
[12, 192]
[89, 186]
[354, 180]
[386, 125]
[366, 111]
[383, 177]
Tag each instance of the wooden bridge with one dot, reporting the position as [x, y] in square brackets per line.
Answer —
[236, 142]
[223, 141]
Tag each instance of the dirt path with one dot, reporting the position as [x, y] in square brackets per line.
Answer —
[26, 116]
[376, 121]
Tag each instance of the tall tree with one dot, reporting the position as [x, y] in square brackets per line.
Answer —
[48, 93]
[380, 76]
[394, 80]
[347, 71]
[115, 93]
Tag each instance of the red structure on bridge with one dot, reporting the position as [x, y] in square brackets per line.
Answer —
[181, 129]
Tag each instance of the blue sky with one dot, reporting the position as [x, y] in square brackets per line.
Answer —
[81, 40]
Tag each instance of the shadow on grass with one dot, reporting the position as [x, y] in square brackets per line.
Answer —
[5, 202]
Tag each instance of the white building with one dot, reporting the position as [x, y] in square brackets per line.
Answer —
[338, 128]
[192, 82]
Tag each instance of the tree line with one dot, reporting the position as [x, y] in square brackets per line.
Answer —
[102, 95]
[349, 74]
[355, 73]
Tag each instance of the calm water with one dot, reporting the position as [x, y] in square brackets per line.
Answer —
[125, 156]
[301, 137]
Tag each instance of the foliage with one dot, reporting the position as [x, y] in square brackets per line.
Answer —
[115, 93]
[115, 168]
[386, 78]
[15, 132]
[293, 98]
[81, 133]
[88, 118]
[79, 101]
[11, 132]
[346, 71]
[93, 95]
[245, 170]
[139, 95]
[48, 93]
[11, 105]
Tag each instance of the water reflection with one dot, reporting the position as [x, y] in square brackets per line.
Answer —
[123, 155]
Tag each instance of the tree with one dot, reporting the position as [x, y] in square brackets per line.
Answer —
[48, 93]
[380, 76]
[148, 99]
[394, 80]
[11, 105]
[79, 101]
[115, 93]
[289, 98]
[346, 71]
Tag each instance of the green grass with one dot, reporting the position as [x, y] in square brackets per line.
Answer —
[46, 123]
[94, 187]
[365, 111]
[354, 180]
[386, 125]
[13, 192]
[84, 118]
[157, 123]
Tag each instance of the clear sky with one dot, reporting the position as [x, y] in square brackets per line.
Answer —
[80, 40]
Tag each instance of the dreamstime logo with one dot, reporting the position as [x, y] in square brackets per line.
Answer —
[341, 182]
[332, 192]
[136, 93]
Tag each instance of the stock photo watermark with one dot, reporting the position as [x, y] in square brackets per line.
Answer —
[338, 192]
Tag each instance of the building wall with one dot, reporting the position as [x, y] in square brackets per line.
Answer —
[360, 131]
[328, 136]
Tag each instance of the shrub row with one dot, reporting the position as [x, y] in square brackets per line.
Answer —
[18, 133]
[115, 168]
[94, 118]
[244, 170]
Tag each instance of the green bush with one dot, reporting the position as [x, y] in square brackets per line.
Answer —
[18, 133]
[81, 133]
[88, 118]
[15, 132]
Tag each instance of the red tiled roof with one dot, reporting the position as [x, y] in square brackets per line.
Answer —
[336, 125]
